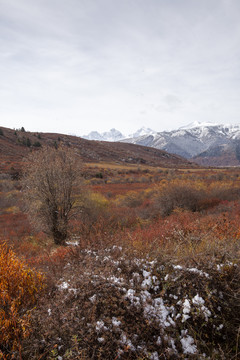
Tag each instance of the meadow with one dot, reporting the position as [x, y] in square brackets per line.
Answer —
[150, 270]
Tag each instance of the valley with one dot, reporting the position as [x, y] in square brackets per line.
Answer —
[150, 268]
[119, 180]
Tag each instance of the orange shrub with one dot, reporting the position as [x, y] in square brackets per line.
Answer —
[19, 288]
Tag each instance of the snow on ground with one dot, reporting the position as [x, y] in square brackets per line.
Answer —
[143, 288]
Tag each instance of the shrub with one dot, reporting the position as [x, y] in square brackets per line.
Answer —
[131, 199]
[52, 182]
[99, 175]
[19, 288]
[178, 196]
[229, 193]
[37, 144]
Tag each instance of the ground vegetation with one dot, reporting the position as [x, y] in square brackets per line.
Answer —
[150, 270]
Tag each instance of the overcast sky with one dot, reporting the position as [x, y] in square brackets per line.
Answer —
[72, 66]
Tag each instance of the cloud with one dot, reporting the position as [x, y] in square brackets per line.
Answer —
[87, 65]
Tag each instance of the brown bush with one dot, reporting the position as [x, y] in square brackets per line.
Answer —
[178, 196]
[54, 190]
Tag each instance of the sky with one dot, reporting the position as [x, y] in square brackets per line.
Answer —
[81, 65]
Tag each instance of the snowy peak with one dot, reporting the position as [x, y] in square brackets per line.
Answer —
[142, 132]
[93, 135]
[205, 128]
[111, 135]
[191, 140]
[115, 135]
[198, 124]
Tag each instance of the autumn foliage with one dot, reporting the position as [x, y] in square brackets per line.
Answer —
[180, 225]
[19, 289]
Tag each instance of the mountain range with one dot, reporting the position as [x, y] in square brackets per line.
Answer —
[115, 135]
[206, 143]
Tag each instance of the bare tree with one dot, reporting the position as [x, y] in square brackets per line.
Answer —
[53, 188]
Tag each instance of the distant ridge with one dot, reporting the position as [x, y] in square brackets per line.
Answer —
[115, 135]
[207, 143]
[111, 135]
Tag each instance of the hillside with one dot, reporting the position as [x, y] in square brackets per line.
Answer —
[219, 155]
[14, 146]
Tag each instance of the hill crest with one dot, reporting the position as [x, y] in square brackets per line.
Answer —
[15, 145]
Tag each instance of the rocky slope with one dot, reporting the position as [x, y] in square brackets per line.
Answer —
[190, 141]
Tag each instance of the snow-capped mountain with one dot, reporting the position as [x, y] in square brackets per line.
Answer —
[93, 135]
[142, 132]
[191, 140]
[198, 124]
[206, 143]
[115, 135]
[112, 135]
